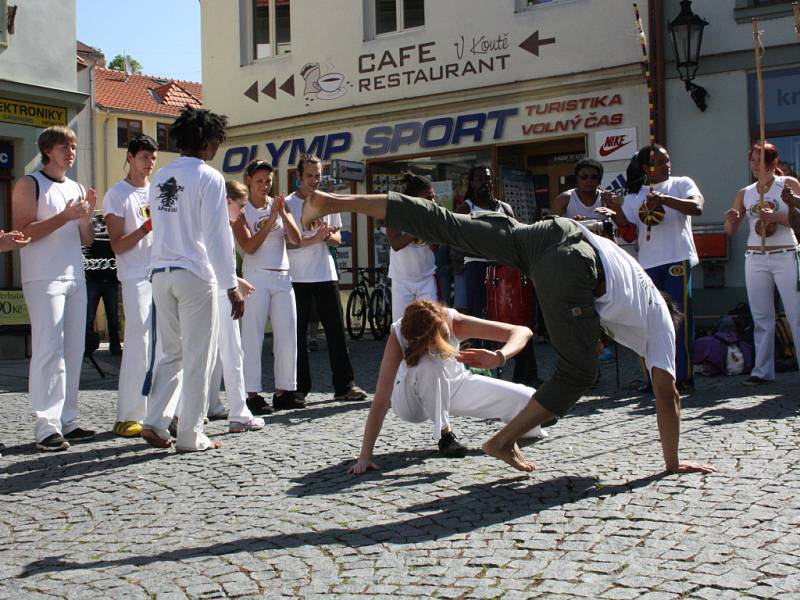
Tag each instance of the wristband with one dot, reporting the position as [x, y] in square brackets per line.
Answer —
[147, 226]
[502, 357]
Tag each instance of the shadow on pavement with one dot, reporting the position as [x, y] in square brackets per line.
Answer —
[45, 470]
[480, 505]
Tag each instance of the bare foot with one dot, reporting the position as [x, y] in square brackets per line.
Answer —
[214, 445]
[312, 209]
[511, 455]
[152, 438]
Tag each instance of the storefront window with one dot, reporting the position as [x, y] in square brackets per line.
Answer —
[448, 172]
[782, 114]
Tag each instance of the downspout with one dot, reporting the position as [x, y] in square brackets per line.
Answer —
[105, 150]
[92, 127]
[656, 25]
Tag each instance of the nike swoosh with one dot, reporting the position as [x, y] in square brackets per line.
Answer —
[606, 151]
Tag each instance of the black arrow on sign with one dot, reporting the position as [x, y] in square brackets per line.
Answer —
[252, 92]
[288, 85]
[269, 89]
[532, 43]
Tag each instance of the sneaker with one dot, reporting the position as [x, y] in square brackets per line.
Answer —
[450, 447]
[128, 429]
[80, 435]
[259, 406]
[352, 394]
[253, 424]
[53, 443]
[288, 401]
[755, 380]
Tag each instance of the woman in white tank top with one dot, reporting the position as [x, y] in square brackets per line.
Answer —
[771, 264]
[262, 235]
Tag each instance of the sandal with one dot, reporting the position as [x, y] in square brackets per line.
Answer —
[128, 429]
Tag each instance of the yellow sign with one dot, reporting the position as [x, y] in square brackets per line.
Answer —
[13, 310]
[28, 113]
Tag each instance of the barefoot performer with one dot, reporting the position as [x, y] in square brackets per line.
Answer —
[582, 282]
[422, 376]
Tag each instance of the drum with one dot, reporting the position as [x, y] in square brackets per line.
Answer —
[510, 297]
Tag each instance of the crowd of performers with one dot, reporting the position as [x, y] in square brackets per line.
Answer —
[175, 234]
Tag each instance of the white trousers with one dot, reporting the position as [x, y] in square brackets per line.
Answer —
[764, 272]
[435, 389]
[137, 297]
[57, 312]
[273, 298]
[229, 363]
[186, 326]
[405, 292]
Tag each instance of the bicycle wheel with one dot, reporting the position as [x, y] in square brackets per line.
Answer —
[380, 313]
[356, 313]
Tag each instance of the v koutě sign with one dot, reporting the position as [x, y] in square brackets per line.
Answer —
[615, 144]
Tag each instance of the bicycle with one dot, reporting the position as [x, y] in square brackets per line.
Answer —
[380, 304]
[356, 313]
[364, 307]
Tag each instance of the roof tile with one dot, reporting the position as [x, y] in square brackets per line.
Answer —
[145, 93]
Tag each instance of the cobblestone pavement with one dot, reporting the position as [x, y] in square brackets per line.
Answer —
[274, 513]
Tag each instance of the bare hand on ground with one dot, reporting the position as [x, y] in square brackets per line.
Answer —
[362, 466]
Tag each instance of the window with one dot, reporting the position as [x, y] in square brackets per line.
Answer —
[126, 130]
[4, 23]
[165, 141]
[389, 16]
[272, 34]
[745, 10]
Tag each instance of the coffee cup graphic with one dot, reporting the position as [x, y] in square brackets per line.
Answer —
[330, 82]
[325, 87]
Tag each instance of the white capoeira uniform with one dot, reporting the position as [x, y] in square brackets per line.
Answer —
[413, 273]
[437, 388]
[576, 208]
[192, 253]
[133, 271]
[764, 271]
[267, 269]
[229, 362]
[54, 287]
[632, 310]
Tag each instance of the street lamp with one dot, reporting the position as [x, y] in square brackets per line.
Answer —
[686, 31]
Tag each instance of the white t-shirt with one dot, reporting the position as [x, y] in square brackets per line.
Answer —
[784, 235]
[130, 203]
[271, 254]
[313, 263]
[632, 310]
[57, 256]
[577, 208]
[190, 221]
[415, 262]
[670, 241]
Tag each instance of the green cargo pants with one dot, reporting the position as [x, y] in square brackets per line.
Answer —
[554, 254]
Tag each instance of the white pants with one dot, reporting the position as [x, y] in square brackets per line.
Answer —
[405, 292]
[57, 312]
[764, 272]
[137, 297]
[435, 389]
[186, 326]
[229, 362]
[273, 298]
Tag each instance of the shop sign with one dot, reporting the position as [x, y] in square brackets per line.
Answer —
[348, 169]
[6, 155]
[13, 310]
[615, 144]
[574, 114]
[29, 113]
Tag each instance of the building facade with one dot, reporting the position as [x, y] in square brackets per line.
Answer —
[527, 86]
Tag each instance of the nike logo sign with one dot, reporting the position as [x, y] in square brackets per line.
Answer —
[612, 145]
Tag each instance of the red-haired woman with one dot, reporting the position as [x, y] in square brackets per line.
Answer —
[423, 377]
[774, 265]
